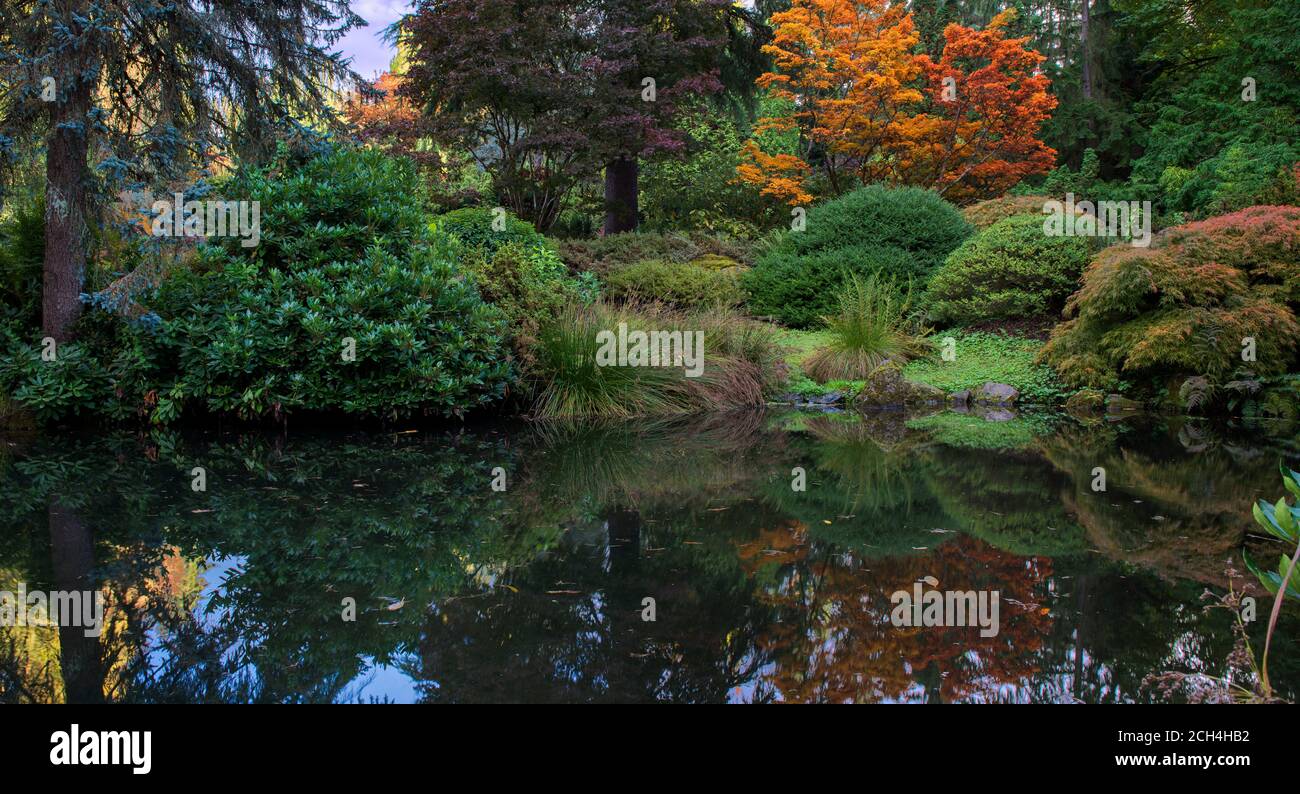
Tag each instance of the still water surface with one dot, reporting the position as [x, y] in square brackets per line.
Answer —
[761, 592]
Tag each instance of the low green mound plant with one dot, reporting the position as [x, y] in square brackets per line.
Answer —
[609, 254]
[1010, 271]
[487, 229]
[685, 286]
[900, 233]
[986, 213]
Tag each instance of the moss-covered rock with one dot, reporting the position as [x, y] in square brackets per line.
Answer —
[1086, 401]
[887, 388]
[996, 394]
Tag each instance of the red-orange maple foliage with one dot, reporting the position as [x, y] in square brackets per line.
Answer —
[982, 141]
[869, 109]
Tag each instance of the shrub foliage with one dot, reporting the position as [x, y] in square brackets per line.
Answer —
[1193, 303]
[901, 233]
[1012, 270]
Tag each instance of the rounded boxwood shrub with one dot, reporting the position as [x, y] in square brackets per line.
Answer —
[348, 304]
[1011, 270]
[901, 233]
[1187, 305]
[472, 226]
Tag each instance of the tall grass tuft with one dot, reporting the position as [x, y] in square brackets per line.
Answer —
[874, 324]
[742, 364]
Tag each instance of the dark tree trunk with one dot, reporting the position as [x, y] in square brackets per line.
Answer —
[72, 552]
[621, 195]
[65, 213]
[1086, 51]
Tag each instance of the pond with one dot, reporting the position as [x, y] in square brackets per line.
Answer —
[751, 557]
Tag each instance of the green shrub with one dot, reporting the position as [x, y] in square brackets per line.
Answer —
[871, 326]
[986, 213]
[1012, 270]
[901, 233]
[1240, 176]
[345, 257]
[529, 284]
[22, 251]
[473, 227]
[1186, 305]
[800, 289]
[605, 255]
[685, 286]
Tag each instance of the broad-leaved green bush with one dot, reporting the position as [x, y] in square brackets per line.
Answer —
[350, 303]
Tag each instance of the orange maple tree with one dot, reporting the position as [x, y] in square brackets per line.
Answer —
[982, 139]
[383, 116]
[870, 109]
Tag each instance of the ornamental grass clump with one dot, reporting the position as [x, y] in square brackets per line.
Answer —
[573, 374]
[874, 324]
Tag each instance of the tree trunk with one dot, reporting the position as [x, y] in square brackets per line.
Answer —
[72, 550]
[621, 195]
[65, 213]
[1085, 54]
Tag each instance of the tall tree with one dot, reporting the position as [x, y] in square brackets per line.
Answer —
[127, 93]
[869, 108]
[548, 92]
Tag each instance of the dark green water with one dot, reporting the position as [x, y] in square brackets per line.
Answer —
[761, 592]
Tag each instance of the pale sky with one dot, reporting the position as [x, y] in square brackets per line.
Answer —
[369, 54]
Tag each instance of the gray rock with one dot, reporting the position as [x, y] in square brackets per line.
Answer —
[960, 398]
[1118, 404]
[996, 394]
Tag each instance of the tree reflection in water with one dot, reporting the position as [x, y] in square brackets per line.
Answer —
[761, 592]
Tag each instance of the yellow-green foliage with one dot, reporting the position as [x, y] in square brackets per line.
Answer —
[685, 286]
[715, 262]
[1185, 305]
[987, 213]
